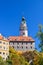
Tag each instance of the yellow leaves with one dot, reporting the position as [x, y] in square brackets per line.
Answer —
[17, 57]
[15, 61]
[41, 54]
[11, 50]
[19, 52]
[35, 56]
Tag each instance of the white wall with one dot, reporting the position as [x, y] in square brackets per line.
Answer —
[24, 45]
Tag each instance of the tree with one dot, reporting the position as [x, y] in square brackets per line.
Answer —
[2, 62]
[12, 50]
[35, 56]
[40, 37]
[15, 58]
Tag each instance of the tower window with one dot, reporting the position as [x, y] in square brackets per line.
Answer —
[23, 33]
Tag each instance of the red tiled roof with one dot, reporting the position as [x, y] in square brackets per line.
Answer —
[20, 38]
[2, 38]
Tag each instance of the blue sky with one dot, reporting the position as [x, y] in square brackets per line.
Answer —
[11, 12]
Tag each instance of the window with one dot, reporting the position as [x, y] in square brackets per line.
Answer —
[22, 43]
[18, 43]
[4, 47]
[26, 43]
[23, 33]
[3, 58]
[6, 53]
[3, 53]
[22, 47]
[17, 46]
[31, 43]
[0, 41]
[26, 47]
[31, 47]
[3, 42]
[13, 43]
[0, 46]
[13, 46]
[0, 52]
[7, 43]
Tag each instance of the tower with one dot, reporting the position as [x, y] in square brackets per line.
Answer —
[23, 28]
[22, 42]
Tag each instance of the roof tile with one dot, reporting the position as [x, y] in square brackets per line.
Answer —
[20, 38]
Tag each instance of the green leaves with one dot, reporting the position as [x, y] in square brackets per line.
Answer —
[40, 37]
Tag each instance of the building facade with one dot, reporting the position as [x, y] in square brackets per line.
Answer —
[4, 47]
[23, 42]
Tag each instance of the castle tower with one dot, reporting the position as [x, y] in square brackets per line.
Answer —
[22, 42]
[23, 28]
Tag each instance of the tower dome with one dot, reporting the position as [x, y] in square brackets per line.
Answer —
[23, 28]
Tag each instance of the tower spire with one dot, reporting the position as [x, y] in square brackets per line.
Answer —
[23, 28]
[23, 18]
